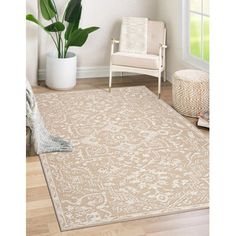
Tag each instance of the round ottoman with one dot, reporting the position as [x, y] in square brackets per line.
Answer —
[190, 92]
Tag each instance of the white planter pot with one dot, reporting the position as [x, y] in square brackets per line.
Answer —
[61, 72]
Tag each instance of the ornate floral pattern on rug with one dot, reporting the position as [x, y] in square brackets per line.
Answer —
[133, 157]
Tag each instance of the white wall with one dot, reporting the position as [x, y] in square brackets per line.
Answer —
[107, 15]
[32, 45]
[169, 11]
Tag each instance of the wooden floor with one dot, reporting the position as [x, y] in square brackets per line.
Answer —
[41, 219]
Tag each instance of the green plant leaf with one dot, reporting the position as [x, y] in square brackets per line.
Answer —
[73, 11]
[70, 29]
[55, 27]
[47, 9]
[32, 18]
[91, 29]
[77, 38]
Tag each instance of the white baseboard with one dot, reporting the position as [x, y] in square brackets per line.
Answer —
[94, 72]
[87, 72]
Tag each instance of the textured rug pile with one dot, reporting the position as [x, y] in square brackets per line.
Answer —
[133, 157]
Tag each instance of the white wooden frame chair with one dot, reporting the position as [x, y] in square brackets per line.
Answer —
[152, 63]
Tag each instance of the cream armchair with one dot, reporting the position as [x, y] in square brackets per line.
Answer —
[150, 63]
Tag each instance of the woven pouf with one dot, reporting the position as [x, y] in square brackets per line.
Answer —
[190, 92]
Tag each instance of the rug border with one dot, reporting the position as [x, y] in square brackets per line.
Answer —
[202, 207]
[50, 194]
[58, 210]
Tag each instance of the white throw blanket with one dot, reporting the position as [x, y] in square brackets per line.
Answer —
[133, 37]
[43, 141]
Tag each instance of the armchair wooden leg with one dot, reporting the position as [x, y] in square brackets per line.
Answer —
[159, 84]
[164, 75]
[110, 80]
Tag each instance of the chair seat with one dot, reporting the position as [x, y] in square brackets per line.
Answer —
[146, 61]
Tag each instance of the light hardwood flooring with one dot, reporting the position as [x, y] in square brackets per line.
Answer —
[41, 219]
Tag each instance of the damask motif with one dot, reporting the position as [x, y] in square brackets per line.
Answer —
[133, 157]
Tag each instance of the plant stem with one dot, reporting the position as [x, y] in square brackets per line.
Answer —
[62, 46]
[56, 16]
[58, 35]
[63, 18]
[54, 42]
[65, 51]
[59, 45]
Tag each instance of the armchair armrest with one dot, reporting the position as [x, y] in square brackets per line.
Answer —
[163, 46]
[162, 54]
[113, 42]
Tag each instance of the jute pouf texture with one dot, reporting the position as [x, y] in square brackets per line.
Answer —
[190, 92]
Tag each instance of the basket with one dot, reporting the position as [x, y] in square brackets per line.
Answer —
[190, 92]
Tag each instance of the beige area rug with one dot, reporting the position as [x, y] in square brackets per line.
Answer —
[134, 157]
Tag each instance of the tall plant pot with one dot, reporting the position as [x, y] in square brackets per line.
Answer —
[61, 72]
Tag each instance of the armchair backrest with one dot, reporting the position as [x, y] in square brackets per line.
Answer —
[140, 35]
[133, 35]
[156, 36]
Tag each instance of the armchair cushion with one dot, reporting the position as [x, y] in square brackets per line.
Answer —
[146, 61]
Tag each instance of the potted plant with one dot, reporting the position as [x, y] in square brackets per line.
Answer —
[65, 33]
